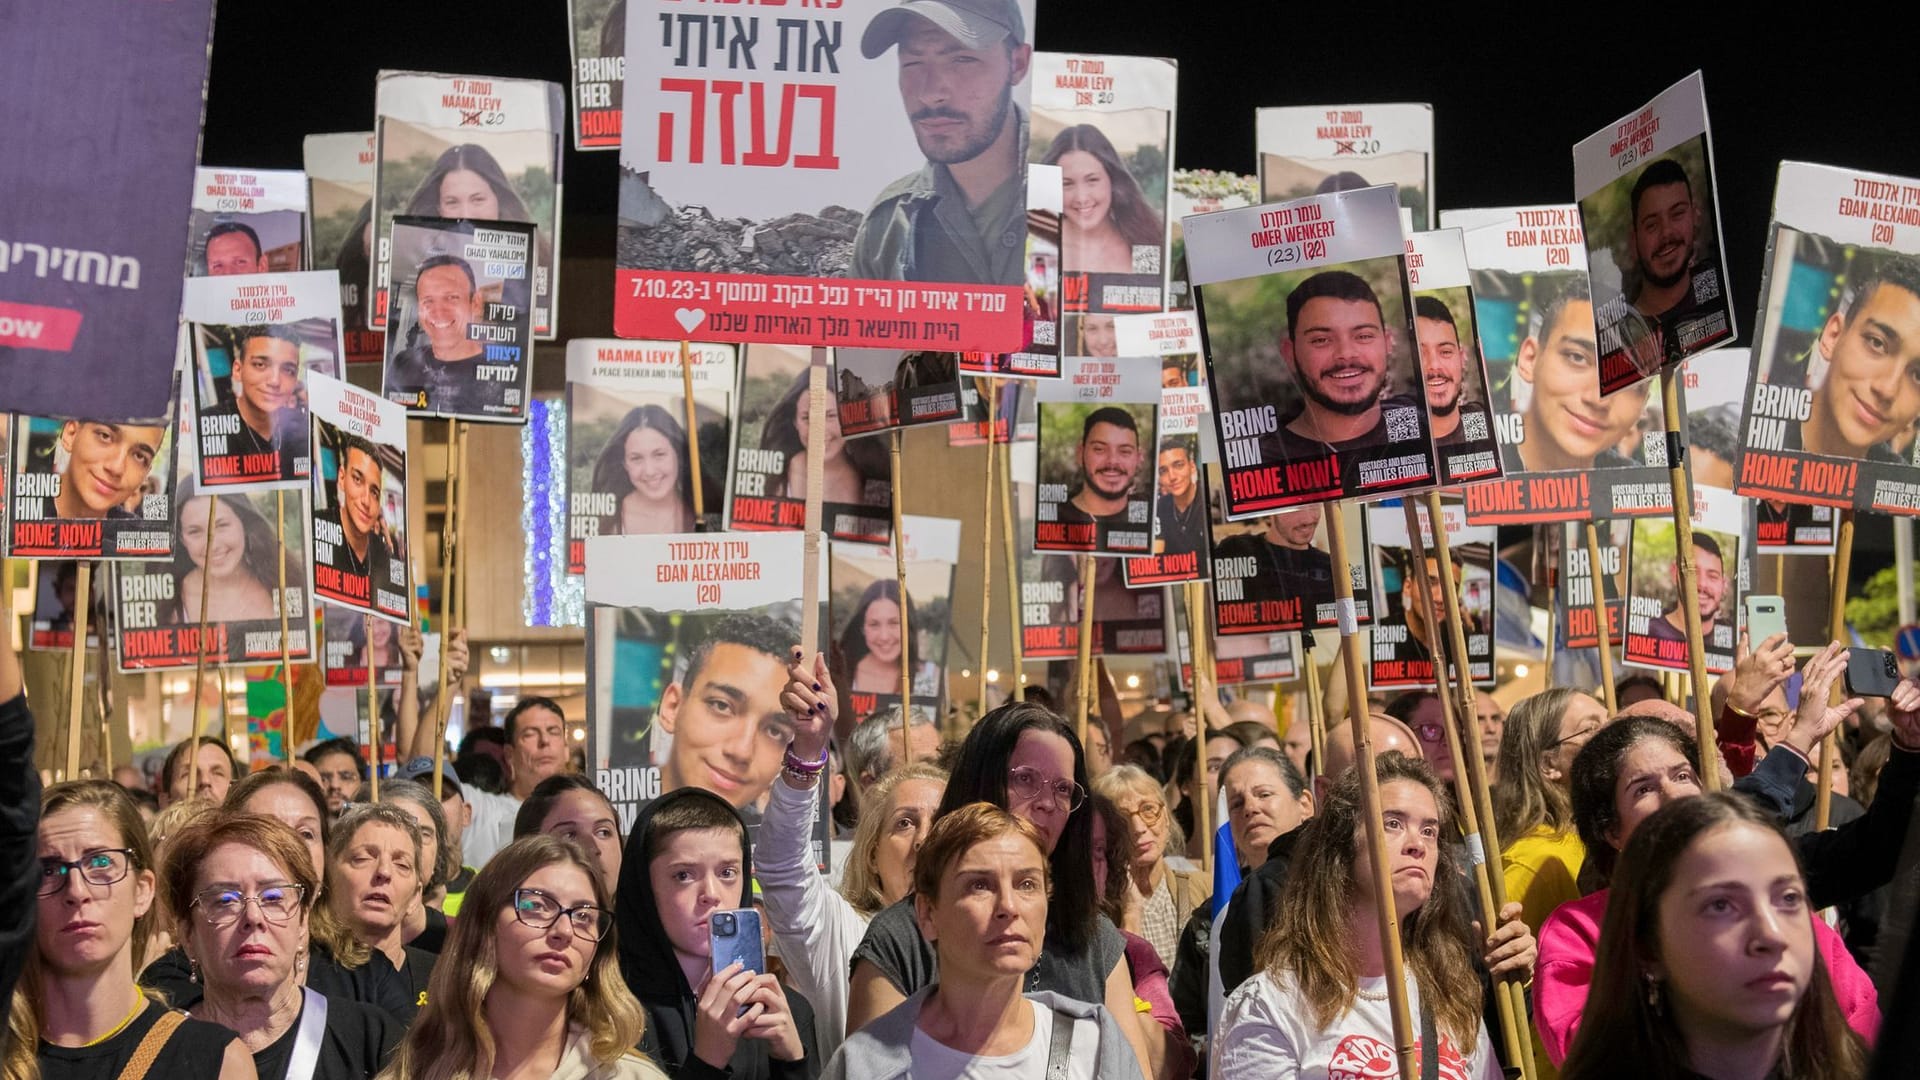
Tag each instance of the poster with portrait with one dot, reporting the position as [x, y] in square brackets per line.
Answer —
[885, 389]
[1451, 362]
[1182, 548]
[1275, 573]
[1245, 658]
[252, 342]
[98, 175]
[1567, 453]
[1834, 386]
[89, 489]
[597, 32]
[1651, 216]
[343, 636]
[56, 590]
[777, 180]
[629, 467]
[688, 640]
[339, 168]
[1097, 424]
[1316, 149]
[1310, 350]
[237, 567]
[865, 618]
[475, 148]
[1039, 357]
[1403, 641]
[1173, 337]
[459, 340]
[1015, 414]
[1656, 622]
[1125, 621]
[359, 500]
[1573, 593]
[1199, 191]
[247, 221]
[767, 484]
[1107, 123]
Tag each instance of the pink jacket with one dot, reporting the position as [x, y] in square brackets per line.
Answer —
[1571, 937]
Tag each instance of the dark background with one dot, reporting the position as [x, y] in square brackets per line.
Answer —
[1512, 91]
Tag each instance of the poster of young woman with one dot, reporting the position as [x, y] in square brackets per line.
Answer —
[1314, 149]
[865, 613]
[1403, 639]
[478, 148]
[793, 184]
[1656, 619]
[253, 340]
[1039, 358]
[1311, 350]
[767, 490]
[1651, 215]
[1097, 428]
[628, 464]
[339, 171]
[883, 389]
[1451, 361]
[1567, 453]
[1834, 381]
[458, 337]
[91, 489]
[247, 221]
[1107, 122]
[597, 31]
[344, 641]
[359, 499]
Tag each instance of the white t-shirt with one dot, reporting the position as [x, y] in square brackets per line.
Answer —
[1267, 1031]
[491, 828]
[934, 1060]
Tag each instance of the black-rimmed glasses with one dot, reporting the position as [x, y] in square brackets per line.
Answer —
[540, 911]
[108, 866]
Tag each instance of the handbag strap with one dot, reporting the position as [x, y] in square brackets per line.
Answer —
[305, 1059]
[151, 1044]
[1060, 1048]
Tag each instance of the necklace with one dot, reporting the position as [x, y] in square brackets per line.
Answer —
[139, 1006]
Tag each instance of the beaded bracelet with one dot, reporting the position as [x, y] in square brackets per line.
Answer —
[804, 771]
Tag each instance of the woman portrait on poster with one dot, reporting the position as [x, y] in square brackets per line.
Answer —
[870, 645]
[850, 467]
[645, 467]
[1105, 214]
[467, 182]
[386, 646]
[238, 562]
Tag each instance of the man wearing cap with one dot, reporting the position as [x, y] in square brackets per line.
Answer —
[453, 803]
[962, 217]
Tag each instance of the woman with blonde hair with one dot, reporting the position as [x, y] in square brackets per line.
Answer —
[1159, 898]
[1532, 805]
[531, 986]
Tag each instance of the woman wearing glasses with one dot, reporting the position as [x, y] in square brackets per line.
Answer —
[529, 985]
[244, 885]
[1542, 852]
[1025, 760]
[1159, 898]
[76, 1010]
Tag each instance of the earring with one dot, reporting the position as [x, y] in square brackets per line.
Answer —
[1653, 994]
[193, 970]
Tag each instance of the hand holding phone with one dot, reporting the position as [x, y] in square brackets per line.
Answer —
[1872, 673]
[736, 939]
[1766, 616]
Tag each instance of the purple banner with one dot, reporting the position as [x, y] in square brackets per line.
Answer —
[98, 177]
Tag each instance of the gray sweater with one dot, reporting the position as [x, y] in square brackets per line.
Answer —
[882, 1050]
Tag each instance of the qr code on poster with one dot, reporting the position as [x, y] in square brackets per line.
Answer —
[1403, 424]
[1473, 426]
[1146, 259]
[1653, 447]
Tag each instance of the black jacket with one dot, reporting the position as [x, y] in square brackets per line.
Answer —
[652, 970]
[1250, 911]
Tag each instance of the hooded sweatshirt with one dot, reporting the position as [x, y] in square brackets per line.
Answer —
[652, 970]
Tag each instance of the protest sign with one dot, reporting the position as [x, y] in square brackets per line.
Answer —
[1833, 395]
[1451, 363]
[628, 464]
[1651, 215]
[1015, 415]
[1316, 149]
[344, 640]
[1199, 191]
[1275, 573]
[1096, 430]
[479, 149]
[99, 184]
[1126, 621]
[1039, 357]
[886, 389]
[339, 170]
[1573, 599]
[865, 613]
[247, 221]
[1310, 350]
[1403, 639]
[1182, 547]
[55, 600]
[458, 340]
[90, 489]
[1656, 624]
[359, 499]
[768, 485]
[597, 31]
[868, 238]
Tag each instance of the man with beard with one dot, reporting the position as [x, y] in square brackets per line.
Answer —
[1709, 586]
[1288, 566]
[1566, 424]
[440, 371]
[1871, 393]
[267, 401]
[962, 217]
[1109, 459]
[1443, 366]
[1336, 347]
[1675, 287]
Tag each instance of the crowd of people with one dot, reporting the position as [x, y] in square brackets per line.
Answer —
[1013, 901]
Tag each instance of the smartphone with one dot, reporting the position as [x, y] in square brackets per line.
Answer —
[1766, 616]
[736, 939]
[1872, 673]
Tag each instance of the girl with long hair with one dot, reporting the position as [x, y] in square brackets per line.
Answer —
[850, 468]
[871, 645]
[1542, 854]
[646, 468]
[1707, 964]
[241, 563]
[1104, 214]
[531, 986]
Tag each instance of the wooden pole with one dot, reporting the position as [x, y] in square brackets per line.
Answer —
[986, 544]
[1200, 652]
[1357, 719]
[200, 658]
[816, 490]
[77, 671]
[1680, 477]
[693, 438]
[1837, 628]
[1084, 672]
[1599, 599]
[1016, 645]
[449, 586]
[373, 716]
[286, 644]
[906, 630]
[1316, 708]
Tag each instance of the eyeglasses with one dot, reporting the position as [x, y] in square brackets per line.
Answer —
[1583, 733]
[107, 866]
[540, 911]
[1430, 732]
[1027, 784]
[1149, 812]
[223, 907]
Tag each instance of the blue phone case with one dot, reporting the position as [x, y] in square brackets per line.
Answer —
[735, 936]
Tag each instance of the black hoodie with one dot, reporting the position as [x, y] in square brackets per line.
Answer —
[652, 971]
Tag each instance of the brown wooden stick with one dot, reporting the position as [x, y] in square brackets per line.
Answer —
[1085, 670]
[200, 659]
[906, 630]
[1681, 480]
[76, 686]
[1016, 691]
[693, 436]
[816, 491]
[986, 544]
[1837, 627]
[1200, 654]
[1599, 600]
[373, 716]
